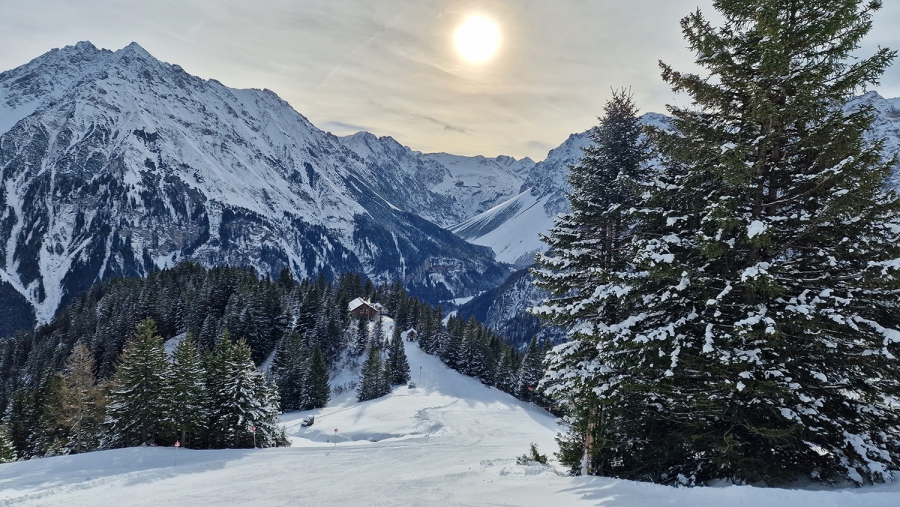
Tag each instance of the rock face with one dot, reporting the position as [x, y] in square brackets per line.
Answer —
[114, 163]
[445, 189]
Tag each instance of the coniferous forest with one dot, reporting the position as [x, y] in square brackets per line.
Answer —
[98, 376]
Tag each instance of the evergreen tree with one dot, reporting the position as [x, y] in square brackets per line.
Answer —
[83, 403]
[507, 376]
[7, 449]
[187, 399]
[378, 335]
[33, 419]
[589, 246]
[318, 391]
[289, 368]
[397, 362]
[451, 350]
[362, 335]
[531, 371]
[384, 380]
[589, 257]
[757, 317]
[371, 378]
[242, 399]
[137, 406]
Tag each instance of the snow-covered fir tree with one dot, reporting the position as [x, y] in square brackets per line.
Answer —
[590, 254]
[755, 337]
[241, 399]
[378, 333]
[7, 449]
[136, 411]
[362, 335]
[289, 369]
[531, 371]
[397, 362]
[187, 397]
[372, 378]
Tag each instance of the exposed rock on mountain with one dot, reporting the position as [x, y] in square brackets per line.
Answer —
[114, 163]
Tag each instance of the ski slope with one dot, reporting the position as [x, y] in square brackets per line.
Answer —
[448, 442]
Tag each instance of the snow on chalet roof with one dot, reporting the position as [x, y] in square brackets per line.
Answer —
[356, 303]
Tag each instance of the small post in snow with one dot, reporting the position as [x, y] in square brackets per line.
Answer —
[253, 430]
[177, 445]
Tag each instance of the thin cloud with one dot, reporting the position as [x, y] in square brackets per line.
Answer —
[390, 67]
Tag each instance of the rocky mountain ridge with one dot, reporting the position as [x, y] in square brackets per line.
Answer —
[115, 164]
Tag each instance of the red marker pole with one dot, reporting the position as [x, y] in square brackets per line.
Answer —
[177, 445]
[253, 429]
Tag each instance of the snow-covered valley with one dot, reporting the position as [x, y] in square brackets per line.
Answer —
[448, 441]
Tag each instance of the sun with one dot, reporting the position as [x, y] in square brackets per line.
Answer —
[477, 39]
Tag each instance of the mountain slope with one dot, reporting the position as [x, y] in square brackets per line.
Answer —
[440, 187]
[512, 228]
[449, 441]
[115, 163]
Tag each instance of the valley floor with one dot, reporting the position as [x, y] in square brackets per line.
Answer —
[450, 441]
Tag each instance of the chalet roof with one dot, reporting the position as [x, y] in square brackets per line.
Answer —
[356, 303]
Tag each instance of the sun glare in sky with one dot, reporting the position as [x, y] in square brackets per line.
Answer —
[477, 39]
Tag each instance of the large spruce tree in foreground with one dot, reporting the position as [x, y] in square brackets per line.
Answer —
[587, 268]
[756, 339]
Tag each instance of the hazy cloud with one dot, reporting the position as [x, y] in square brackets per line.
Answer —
[390, 64]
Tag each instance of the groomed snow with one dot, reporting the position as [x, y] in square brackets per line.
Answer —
[449, 441]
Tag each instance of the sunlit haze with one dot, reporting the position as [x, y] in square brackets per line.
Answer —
[477, 39]
[397, 68]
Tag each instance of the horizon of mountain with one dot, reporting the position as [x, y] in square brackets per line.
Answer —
[113, 163]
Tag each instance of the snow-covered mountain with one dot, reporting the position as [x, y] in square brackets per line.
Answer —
[114, 163]
[443, 188]
[886, 126]
[513, 228]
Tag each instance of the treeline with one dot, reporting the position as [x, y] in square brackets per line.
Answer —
[210, 399]
[300, 329]
[474, 350]
[186, 299]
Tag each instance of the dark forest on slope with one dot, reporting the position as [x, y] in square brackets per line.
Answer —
[295, 327]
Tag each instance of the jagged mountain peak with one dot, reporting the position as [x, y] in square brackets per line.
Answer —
[115, 163]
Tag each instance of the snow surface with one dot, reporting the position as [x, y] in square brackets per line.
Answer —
[448, 441]
[511, 228]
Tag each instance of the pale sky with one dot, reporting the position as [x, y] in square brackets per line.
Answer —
[390, 66]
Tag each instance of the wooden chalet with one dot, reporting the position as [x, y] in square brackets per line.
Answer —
[361, 309]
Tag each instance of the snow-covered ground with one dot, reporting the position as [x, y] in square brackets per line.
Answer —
[448, 441]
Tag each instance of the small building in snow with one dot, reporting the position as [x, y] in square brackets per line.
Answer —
[361, 309]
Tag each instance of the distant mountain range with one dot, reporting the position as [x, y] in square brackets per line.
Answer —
[113, 163]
